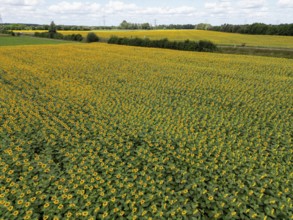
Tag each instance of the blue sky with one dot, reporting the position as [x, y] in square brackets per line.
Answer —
[112, 12]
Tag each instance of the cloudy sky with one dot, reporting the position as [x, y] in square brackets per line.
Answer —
[112, 12]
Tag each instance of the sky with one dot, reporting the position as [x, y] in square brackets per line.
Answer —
[113, 12]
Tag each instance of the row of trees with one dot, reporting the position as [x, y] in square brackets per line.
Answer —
[134, 26]
[7, 32]
[91, 37]
[123, 25]
[72, 37]
[14, 27]
[256, 28]
[187, 45]
[200, 26]
[146, 26]
[53, 34]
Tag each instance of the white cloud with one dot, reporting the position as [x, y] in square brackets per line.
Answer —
[120, 6]
[242, 9]
[167, 11]
[215, 5]
[252, 4]
[75, 7]
[90, 12]
[21, 2]
[117, 7]
[285, 3]
[235, 5]
[221, 7]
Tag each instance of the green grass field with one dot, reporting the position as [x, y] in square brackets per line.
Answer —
[16, 41]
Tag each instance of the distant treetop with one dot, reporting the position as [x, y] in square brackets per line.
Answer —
[52, 28]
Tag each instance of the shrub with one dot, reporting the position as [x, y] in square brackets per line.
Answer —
[73, 37]
[7, 32]
[92, 37]
[78, 37]
[207, 46]
[113, 40]
[42, 34]
[165, 43]
[58, 36]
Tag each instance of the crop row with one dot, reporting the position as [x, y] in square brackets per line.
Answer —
[105, 131]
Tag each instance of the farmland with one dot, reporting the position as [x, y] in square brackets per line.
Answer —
[219, 38]
[16, 41]
[104, 131]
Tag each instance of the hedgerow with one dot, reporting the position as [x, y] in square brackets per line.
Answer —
[202, 45]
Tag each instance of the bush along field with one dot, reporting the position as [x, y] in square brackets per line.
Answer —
[91, 37]
[99, 131]
[203, 46]
[219, 38]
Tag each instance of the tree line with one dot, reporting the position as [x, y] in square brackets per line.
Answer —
[134, 26]
[13, 27]
[147, 26]
[187, 45]
[53, 34]
[256, 28]
[123, 25]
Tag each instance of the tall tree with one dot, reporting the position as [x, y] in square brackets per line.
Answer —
[52, 28]
[124, 25]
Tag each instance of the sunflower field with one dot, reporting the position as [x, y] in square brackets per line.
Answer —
[114, 132]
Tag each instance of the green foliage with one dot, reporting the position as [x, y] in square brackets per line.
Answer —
[133, 26]
[92, 37]
[7, 32]
[52, 28]
[256, 28]
[52, 33]
[42, 34]
[73, 37]
[206, 46]
[203, 26]
[59, 36]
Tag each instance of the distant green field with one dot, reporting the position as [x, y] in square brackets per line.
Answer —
[15, 41]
